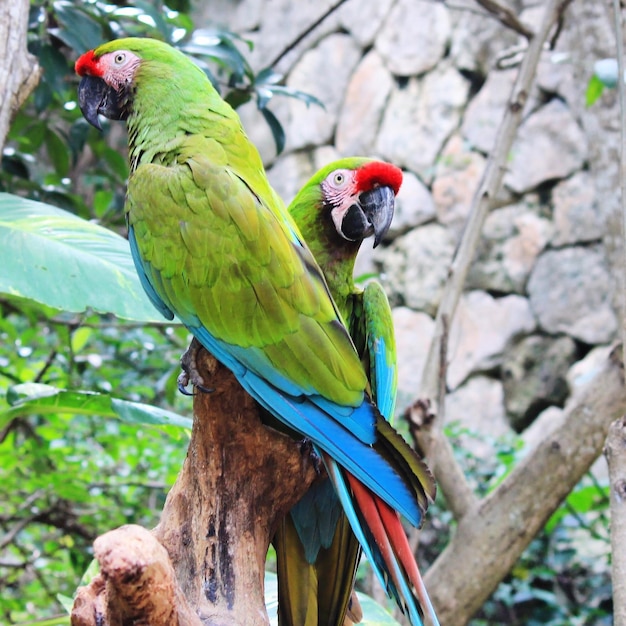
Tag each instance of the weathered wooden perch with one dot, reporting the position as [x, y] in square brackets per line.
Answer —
[239, 478]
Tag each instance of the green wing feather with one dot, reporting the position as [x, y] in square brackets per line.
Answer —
[208, 238]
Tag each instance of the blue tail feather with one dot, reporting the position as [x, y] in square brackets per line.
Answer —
[403, 596]
[304, 416]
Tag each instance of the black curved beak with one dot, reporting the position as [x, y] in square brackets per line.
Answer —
[95, 98]
[378, 205]
[372, 215]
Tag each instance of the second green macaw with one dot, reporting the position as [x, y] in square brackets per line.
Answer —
[317, 549]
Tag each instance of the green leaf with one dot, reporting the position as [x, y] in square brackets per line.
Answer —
[89, 574]
[373, 613]
[67, 603]
[582, 500]
[137, 413]
[595, 87]
[55, 68]
[60, 260]
[62, 620]
[40, 399]
[79, 31]
[275, 126]
[307, 98]
[267, 76]
[58, 151]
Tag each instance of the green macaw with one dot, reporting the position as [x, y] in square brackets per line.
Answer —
[317, 552]
[214, 245]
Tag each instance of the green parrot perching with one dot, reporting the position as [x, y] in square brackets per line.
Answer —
[317, 552]
[214, 245]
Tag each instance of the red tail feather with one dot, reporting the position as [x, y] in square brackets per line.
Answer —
[385, 525]
[368, 506]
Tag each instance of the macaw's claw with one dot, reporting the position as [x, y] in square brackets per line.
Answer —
[190, 372]
[183, 381]
[307, 448]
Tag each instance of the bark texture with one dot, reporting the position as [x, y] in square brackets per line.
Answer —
[19, 71]
[205, 561]
[493, 534]
[615, 452]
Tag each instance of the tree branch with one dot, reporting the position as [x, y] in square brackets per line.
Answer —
[491, 537]
[239, 479]
[615, 452]
[506, 17]
[445, 463]
[617, 16]
[19, 72]
[138, 582]
[309, 29]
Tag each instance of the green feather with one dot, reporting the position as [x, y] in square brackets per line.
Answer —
[211, 227]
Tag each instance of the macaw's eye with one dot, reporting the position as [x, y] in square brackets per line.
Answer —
[339, 179]
[120, 57]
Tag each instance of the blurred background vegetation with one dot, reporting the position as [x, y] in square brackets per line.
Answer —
[75, 466]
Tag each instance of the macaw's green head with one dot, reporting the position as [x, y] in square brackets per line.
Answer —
[357, 199]
[112, 73]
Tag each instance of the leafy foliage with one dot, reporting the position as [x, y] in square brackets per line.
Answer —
[83, 446]
[52, 153]
[73, 464]
[605, 73]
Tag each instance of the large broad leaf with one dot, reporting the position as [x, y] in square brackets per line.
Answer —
[67, 263]
[30, 398]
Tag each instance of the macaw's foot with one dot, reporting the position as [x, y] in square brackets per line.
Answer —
[308, 449]
[190, 373]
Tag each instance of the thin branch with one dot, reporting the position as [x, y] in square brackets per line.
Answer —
[617, 13]
[25, 504]
[492, 536]
[616, 441]
[309, 29]
[615, 452]
[506, 17]
[459, 496]
[16, 529]
[46, 366]
[481, 204]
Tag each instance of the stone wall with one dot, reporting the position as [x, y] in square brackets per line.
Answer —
[417, 83]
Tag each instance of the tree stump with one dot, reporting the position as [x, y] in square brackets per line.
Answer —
[238, 480]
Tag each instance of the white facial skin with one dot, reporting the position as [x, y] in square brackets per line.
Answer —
[339, 189]
[118, 67]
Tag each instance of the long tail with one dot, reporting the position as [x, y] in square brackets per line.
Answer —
[382, 537]
[315, 592]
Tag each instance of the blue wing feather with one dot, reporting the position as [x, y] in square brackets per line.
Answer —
[385, 377]
[379, 336]
[143, 278]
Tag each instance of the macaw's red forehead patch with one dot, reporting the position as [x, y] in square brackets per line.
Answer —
[379, 174]
[87, 65]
